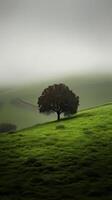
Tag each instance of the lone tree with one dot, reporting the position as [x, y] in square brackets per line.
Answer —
[58, 98]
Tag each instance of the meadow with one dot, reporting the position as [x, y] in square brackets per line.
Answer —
[66, 160]
[93, 91]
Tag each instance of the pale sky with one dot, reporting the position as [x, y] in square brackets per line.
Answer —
[42, 39]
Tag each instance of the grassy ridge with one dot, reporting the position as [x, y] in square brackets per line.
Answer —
[59, 161]
[92, 91]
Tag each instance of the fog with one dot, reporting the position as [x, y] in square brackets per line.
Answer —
[42, 39]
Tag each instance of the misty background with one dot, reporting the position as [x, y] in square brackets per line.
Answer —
[42, 39]
[43, 42]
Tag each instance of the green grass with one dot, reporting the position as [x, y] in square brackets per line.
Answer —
[92, 91]
[66, 160]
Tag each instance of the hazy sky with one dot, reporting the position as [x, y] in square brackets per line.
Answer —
[40, 39]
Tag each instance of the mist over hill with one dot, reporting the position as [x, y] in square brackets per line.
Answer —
[19, 104]
[44, 39]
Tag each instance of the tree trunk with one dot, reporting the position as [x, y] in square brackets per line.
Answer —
[58, 116]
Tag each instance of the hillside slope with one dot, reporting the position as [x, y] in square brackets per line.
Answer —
[92, 90]
[66, 160]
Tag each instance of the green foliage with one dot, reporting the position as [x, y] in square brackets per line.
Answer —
[87, 87]
[43, 162]
[58, 98]
[6, 127]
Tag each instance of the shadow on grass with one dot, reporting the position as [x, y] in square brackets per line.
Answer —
[80, 115]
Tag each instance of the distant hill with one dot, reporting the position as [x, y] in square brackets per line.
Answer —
[1, 104]
[23, 104]
[66, 160]
[19, 102]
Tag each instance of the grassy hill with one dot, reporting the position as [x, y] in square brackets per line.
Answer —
[66, 160]
[93, 91]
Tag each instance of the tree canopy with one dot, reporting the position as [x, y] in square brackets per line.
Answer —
[58, 98]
